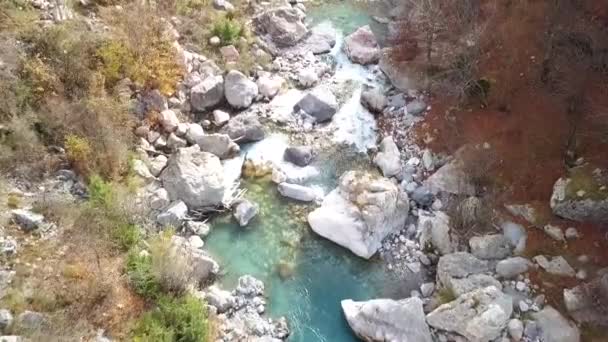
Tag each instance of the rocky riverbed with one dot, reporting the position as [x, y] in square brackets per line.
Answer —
[308, 222]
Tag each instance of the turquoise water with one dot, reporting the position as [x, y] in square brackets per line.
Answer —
[306, 276]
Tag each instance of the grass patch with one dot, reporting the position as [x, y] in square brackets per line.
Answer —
[583, 179]
[446, 295]
[141, 276]
[175, 319]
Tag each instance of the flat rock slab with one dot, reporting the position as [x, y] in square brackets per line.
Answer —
[387, 320]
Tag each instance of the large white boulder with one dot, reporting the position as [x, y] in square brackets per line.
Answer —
[195, 177]
[387, 320]
[361, 46]
[361, 212]
[480, 315]
[240, 90]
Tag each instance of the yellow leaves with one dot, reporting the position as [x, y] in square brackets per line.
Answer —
[79, 152]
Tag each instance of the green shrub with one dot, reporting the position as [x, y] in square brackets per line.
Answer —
[126, 235]
[100, 192]
[228, 30]
[181, 319]
[140, 274]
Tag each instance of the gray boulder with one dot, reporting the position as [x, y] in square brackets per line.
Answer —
[173, 215]
[200, 266]
[27, 219]
[554, 327]
[245, 211]
[207, 94]
[582, 197]
[435, 232]
[297, 192]
[195, 177]
[283, 26]
[480, 315]
[299, 155]
[269, 85]
[512, 267]
[557, 266]
[494, 246]
[361, 212]
[6, 319]
[223, 5]
[249, 286]
[423, 196]
[415, 107]
[220, 299]
[321, 40]
[194, 133]
[240, 91]
[586, 303]
[244, 128]
[361, 46]
[451, 178]
[388, 158]
[387, 320]
[320, 103]
[462, 272]
[219, 144]
[374, 100]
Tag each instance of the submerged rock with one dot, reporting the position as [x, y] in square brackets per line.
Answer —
[245, 211]
[195, 177]
[361, 212]
[299, 155]
[480, 315]
[387, 320]
[297, 192]
[361, 46]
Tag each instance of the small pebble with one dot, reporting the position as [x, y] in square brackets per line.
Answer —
[523, 307]
[581, 274]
